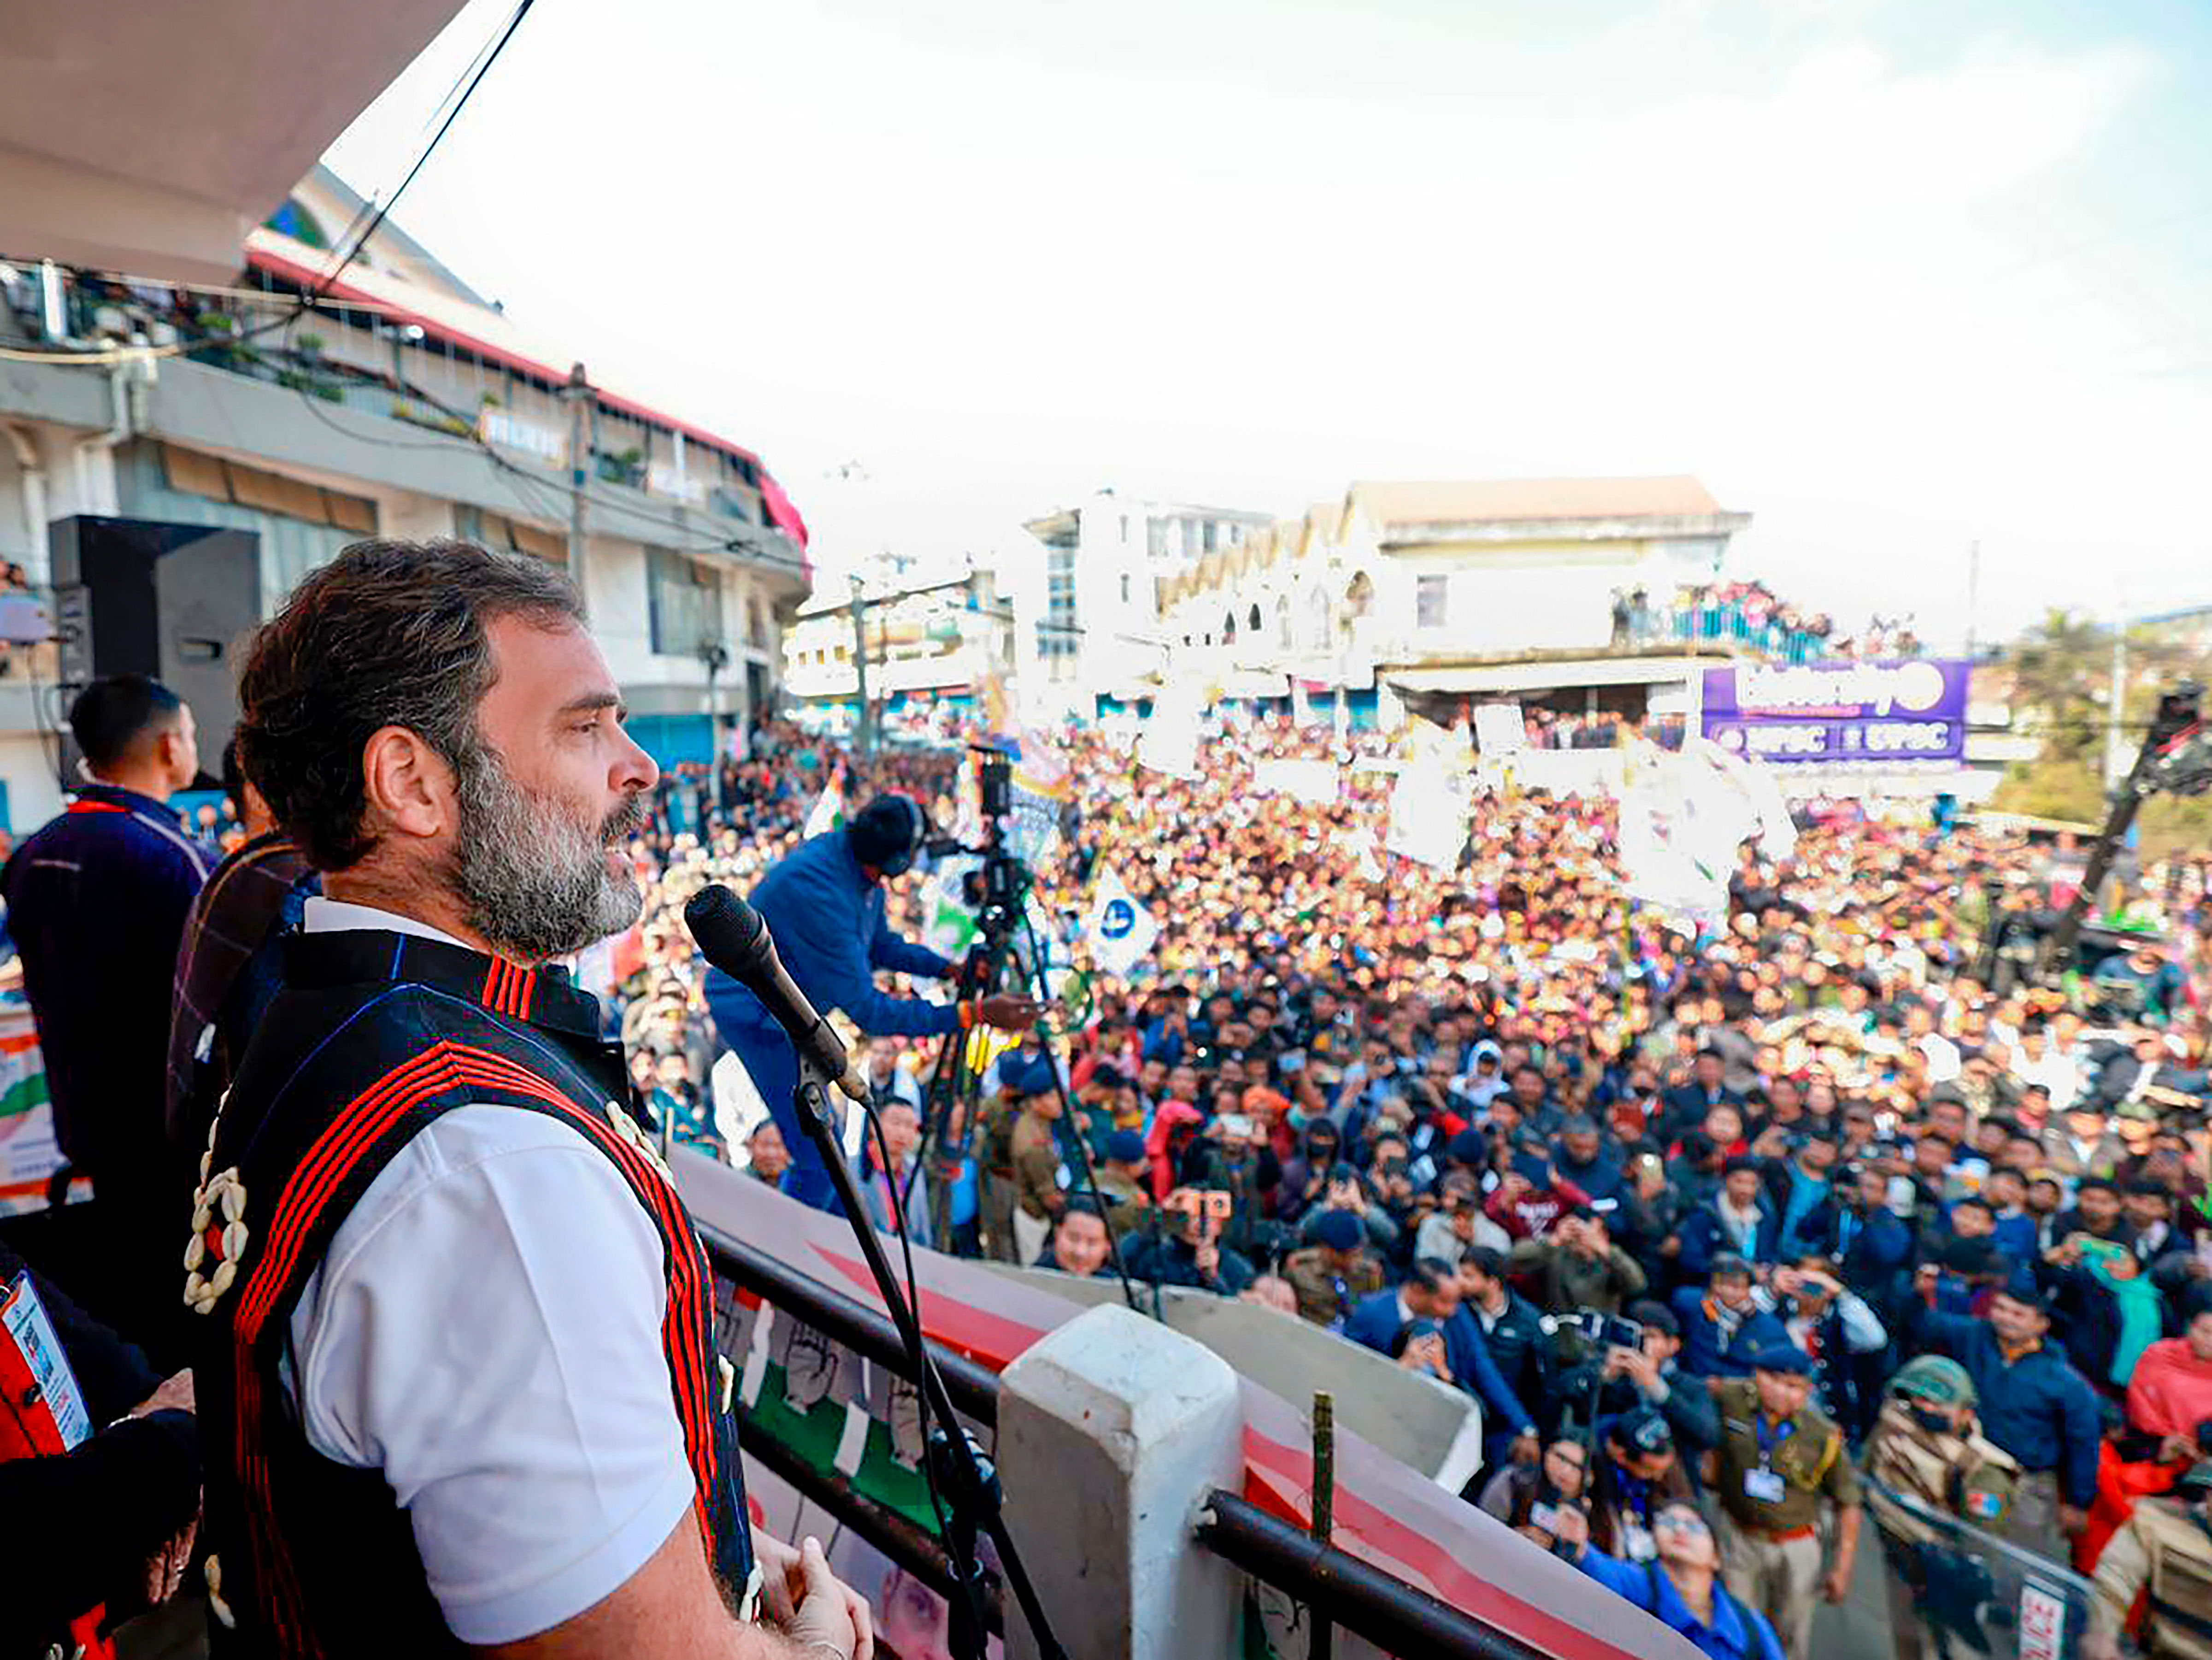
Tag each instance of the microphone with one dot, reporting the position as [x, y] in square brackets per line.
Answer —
[732, 937]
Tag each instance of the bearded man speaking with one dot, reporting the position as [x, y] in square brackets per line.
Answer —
[456, 1367]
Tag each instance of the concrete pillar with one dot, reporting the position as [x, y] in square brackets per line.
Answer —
[1112, 1430]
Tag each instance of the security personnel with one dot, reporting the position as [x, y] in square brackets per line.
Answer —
[1121, 1182]
[1927, 1447]
[823, 905]
[1779, 1459]
[1034, 1151]
[1330, 1276]
[2165, 1550]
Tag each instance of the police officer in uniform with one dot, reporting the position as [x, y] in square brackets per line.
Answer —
[1927, 1446]
[2165, 1551]
[1779, 1461]
[1330, 1276]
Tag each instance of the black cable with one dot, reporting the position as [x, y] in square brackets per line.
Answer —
[377, 219]
[916, 1355]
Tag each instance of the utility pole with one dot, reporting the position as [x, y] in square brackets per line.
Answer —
[1973, 592]
[577, 394]
[861, 733]
[2115, 767]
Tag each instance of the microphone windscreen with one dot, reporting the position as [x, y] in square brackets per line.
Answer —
[728, 930]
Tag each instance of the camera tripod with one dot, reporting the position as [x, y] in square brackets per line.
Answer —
[955, 1094]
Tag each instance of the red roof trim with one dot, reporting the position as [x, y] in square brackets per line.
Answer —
[309, 279]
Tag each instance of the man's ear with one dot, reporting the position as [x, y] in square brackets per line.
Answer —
[409, 786]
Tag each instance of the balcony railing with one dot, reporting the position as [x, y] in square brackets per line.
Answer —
[369, 366]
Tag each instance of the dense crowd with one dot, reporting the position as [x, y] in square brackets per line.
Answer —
[1617, 1183]
[1747, 616]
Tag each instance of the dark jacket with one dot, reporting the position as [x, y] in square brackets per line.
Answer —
[2039, 1408]
[1708, 1350]
[1165, 1260]
[103, 1508]
[1374, 1322]
[1705, 1237]
[1871, 1248]
[1521, 1349]
[96, 904]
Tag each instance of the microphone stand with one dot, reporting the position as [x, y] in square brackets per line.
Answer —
[969, 1479]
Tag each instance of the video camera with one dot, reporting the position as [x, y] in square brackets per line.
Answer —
[1602, 1331]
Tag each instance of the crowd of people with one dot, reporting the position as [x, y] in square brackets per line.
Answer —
[1695, 1219]
[1748, 616]
[1732, 1235]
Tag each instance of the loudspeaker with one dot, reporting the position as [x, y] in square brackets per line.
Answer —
[138, 596]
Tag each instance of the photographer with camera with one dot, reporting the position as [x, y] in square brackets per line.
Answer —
[1542, 1500]
[823, 905]
[1184, 1247]
[1647, 1373]
[1577, 1265]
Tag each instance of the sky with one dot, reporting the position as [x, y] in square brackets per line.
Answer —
[1893, 277]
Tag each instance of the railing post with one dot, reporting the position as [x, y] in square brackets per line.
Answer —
[1113, 1431]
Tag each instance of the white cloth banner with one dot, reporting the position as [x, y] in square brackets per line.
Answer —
[1171, 741]
[1311, 781]
[1121, 931]
[1428, 815]
[1499, 729]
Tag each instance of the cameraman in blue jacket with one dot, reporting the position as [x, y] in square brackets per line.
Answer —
[823, 905]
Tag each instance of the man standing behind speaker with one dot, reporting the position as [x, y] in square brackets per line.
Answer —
[823, 905]
[96, 902]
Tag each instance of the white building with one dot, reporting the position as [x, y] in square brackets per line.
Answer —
[1099, 633]
[930, 645]
[1443, 592]
[400, 404]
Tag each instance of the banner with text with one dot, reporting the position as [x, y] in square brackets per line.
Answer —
[1850, 714]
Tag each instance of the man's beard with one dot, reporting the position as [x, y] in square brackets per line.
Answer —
[531, 873]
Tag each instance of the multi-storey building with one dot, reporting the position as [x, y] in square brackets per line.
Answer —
[310, 410]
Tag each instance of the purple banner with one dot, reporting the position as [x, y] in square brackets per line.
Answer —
[1851, 713]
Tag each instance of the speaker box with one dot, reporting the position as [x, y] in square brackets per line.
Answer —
[137, 596]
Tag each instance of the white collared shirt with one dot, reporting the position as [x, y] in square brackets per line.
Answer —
[485, 1330]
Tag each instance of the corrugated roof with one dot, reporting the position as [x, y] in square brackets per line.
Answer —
[1516, 501]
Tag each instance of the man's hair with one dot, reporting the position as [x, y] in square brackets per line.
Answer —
[234, 777]
[1429, 1274]
[112, 713]
[1488, 1260]
[388, 634]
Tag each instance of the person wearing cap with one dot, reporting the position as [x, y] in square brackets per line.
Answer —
[2162, 1556]
[1682, 1587]
[1330, 1276]
[1927, 1448]
[1121, 1182]
[2032, 1400]
[1637, 1474]
[1034, 1156]
[823, 905]
[1780, 1464]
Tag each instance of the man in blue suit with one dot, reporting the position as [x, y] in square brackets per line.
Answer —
[824, 909]
[1431, 1292]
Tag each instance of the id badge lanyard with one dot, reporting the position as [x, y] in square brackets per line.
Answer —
[1769, 1442]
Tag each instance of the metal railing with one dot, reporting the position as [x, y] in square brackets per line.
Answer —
[1395, 1616]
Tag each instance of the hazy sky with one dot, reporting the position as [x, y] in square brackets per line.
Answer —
[1890, 274]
